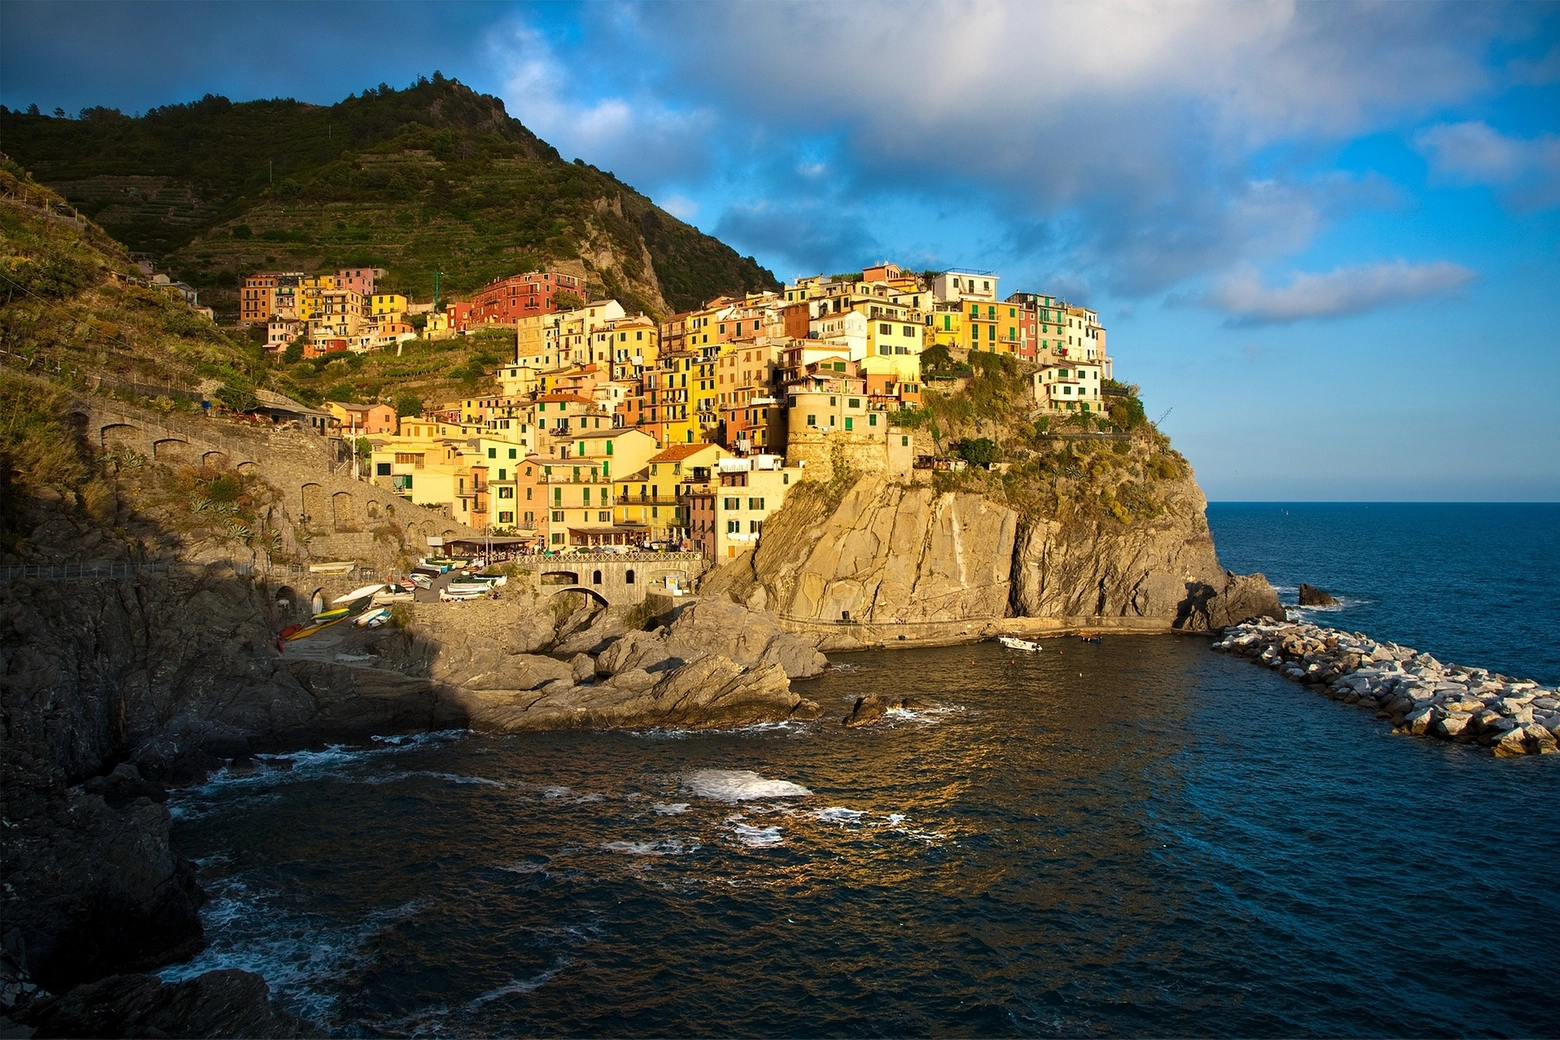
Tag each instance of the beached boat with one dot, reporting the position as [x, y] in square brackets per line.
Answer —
[421, 581]
[357, 594]
[334, 614]
[333, 567]
[372, 618]
[1015, 643]
[318, 625]
[462, 588]
[452, 593]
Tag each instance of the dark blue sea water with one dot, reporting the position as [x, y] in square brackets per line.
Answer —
[1473, 583]
[1137, 838]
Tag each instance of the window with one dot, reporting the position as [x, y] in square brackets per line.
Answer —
[557, 539]
[605, 518]
[755, 503]
[885, 329]
[733, 526]
[585, 492]
[854, 402]
[732, 503]
[849, 423]
[502, 474]
[528, 494]
[557, 496]
[381, 469]
[595, 577]
[755, 526]
[506, 492]
[628, 577]
[530, 517]
[506, 518]
[812, 420]
[511, 453]
[904, 442]
[492, 453]
[872, 419]
[557, 516]
[609, 447]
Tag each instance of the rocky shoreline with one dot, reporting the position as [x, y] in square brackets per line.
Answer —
[1417, 693]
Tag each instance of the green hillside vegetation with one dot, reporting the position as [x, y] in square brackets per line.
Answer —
[1111, 466]
[68, 309]
[431, 178]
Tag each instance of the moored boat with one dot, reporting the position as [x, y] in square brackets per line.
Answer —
[1015, 643]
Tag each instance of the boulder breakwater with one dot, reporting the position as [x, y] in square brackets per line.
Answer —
[1417, 693]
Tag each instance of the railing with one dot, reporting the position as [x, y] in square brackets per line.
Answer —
[107, 570]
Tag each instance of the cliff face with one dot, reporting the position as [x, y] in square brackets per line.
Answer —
[886, 552]
[889, 553]
[1105, 567]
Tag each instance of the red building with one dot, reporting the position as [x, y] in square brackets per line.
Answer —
[520, 296]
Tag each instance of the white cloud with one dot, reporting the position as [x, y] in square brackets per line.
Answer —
[639, 137]
[1477, 153]
[679, 206]
[1342, 291]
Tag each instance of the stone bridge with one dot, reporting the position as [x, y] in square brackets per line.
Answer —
[623, 579]
[319, 494]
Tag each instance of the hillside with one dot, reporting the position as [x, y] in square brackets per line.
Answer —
[431, 178]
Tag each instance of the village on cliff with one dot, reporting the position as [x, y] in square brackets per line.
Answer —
[613, 429]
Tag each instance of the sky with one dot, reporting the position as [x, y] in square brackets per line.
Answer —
[1324, 238]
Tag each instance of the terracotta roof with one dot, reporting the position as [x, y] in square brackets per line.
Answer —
[678, 452]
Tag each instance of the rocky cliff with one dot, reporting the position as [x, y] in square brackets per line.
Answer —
[890, 553]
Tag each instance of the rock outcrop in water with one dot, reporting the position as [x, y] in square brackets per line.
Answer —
[887, 552]
[1419, 694]
[1311, 596]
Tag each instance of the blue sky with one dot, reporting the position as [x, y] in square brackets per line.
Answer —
[1325, 238]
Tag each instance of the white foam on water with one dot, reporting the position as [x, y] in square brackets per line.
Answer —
[300, 957]
[740, 785]
[839, 814]
[668, 847]
[757, 837]
[519, 987]
[452, 778]
[670, 808]
[526, 867]
[552, 794]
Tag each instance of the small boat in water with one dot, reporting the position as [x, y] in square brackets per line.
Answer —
[1015, 643]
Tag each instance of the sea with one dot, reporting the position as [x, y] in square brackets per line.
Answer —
[1139, 837]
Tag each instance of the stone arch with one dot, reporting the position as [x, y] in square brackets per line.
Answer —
[214, 459]
[343, 515]
[373, 509]
[246, 467]
[560, 578]
[595, 577]
[171, 449]
[628, 576]
[590, 592]
[287, 598]
[317, 600]
[116, 435]
[311, 499]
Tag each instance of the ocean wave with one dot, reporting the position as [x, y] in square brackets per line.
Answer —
[519, 987]
[668, 847]
[757, 837]
[740, 785]
[300, 957]
[670, 808]
[839, 814]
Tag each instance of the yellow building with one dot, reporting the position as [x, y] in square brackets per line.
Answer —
[387, 303]
[655, 497]
[981, 323]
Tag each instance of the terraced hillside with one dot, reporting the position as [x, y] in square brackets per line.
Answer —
[431, 178]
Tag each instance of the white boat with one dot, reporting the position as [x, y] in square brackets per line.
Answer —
[357, 594]
[462, 588]
[333, 567]
[450, 594]
[372, 618]
[1015, 643]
